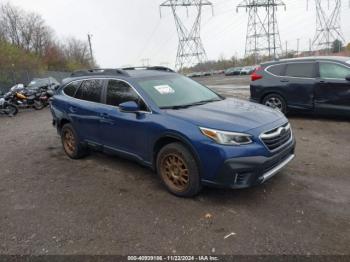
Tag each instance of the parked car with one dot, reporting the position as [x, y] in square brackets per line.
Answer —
[313, 84]
[50, 83]
[233, 71]
[195, 74]
[190, 135]
[248, 70]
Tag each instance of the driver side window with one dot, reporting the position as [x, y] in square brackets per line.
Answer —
[331, 70]
[119, 92]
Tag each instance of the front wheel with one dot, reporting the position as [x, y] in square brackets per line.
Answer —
[275, 101]
[178, 170]
[11, 110]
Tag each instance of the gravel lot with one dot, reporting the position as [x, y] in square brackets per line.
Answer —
[106, 205]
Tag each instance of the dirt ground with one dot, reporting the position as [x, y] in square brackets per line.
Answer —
[50, 204]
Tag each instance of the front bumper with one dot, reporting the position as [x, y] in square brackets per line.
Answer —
[244, 172]
[253, 100]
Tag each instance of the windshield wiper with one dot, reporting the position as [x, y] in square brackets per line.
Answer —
[191, 104]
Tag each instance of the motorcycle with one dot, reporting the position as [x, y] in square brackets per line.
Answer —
[45, 95]
[24, 98]
[7, 108]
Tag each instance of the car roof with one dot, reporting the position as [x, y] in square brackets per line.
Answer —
[311, 58]
[123, 73]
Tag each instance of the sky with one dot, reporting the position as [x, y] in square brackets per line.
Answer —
[127, 31]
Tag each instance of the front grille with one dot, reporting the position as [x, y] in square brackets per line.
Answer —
[277, 137]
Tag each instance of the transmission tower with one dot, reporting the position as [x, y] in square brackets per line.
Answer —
[263, 36]
[328, 25]
[190, 49]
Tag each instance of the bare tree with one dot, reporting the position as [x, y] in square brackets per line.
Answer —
[29, 32]
[11, 23]
[77, 50]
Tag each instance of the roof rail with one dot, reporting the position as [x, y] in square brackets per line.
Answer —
[99, 71]
[157, 68]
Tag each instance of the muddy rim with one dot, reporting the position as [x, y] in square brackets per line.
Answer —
[69, 141]
[175, 172]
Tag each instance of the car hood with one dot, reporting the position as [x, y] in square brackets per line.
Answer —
[229, 115]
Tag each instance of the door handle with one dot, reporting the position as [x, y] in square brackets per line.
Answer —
[104, 118]
[284, 80]
[104, 115]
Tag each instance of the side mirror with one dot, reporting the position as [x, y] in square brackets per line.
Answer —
[129, 107]
[347, 78]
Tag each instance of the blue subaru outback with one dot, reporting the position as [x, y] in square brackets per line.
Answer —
[189, 134]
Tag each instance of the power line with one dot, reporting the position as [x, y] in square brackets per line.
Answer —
[190, 49]
[262, 30]
[328, 24]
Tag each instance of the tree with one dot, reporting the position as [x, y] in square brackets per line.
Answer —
[348, 47]
[337, 46]
[26, 41]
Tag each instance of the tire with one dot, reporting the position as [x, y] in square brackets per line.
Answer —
[11, 110]
[38, 105]
[178, 170]
[71, 143]
[275, 101]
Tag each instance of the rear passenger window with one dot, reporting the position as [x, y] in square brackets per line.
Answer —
[90, 90]
[72, 88]
[276, 69]
[306, 70]
[119, 92]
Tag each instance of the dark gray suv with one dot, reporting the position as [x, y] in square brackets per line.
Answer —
[313, 84]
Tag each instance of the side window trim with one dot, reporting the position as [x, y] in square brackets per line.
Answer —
[104, 92]
[330, 62]
[284, 70]
[137, 92]
[82, 81]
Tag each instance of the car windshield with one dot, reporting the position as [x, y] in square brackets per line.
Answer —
[177, 92]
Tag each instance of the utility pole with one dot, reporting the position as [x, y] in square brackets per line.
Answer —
[262, 31]
[298, 44]
[90, 47]
[145, 61]
[190, 49]
[328, 24]
[286, 49]
[310, 46]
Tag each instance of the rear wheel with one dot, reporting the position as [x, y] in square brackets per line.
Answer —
[38, 105]
[71, 144]
[178, 170]
[275, 101]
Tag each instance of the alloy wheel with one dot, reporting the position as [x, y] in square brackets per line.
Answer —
[69, 141]
[275, 103]
[175, 172]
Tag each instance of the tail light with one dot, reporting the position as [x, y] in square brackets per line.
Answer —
[256, 76]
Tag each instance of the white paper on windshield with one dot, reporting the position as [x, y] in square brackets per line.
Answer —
[164, 89]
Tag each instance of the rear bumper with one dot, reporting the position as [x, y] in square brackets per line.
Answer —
[246, 172]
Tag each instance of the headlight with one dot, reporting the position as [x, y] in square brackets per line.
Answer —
[226, 138]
